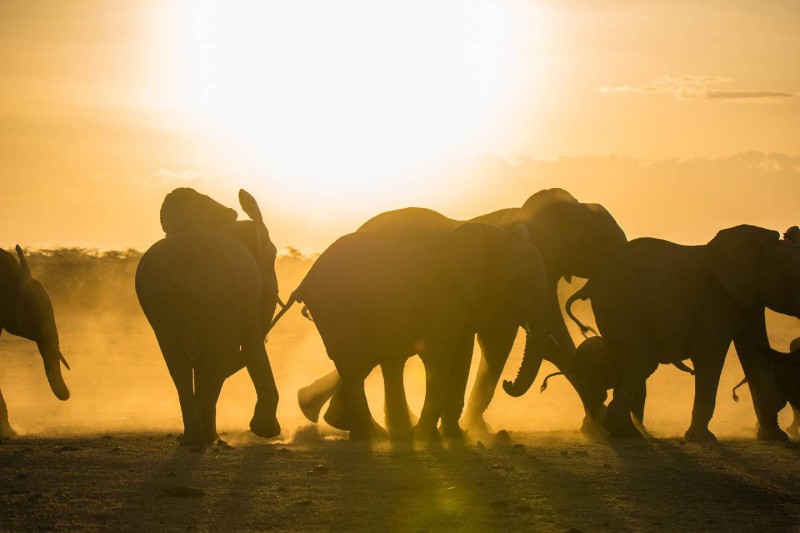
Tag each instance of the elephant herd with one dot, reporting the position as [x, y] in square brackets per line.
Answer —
[414, 282]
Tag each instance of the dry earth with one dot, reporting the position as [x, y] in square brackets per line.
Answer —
[549, 481]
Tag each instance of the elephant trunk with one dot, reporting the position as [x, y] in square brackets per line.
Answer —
[53, 358]
[536, 345]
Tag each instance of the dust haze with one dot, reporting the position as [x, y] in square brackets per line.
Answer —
[119, 381]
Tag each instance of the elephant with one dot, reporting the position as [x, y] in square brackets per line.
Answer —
[203, 292]
[788, 383]
[597, 372]
[659, 302]
[26, 311]
[379, 300]
[572, 237]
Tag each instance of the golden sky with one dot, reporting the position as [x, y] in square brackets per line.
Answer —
[332, 111]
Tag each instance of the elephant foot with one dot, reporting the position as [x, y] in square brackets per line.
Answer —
[374, 433]
[699, 434]
[310, 403]
[193, 438]
[453, 433]
[6, 431]
[773, 433]
[425, 433]
[337, 416]
[592, 428]
[265, 426]
[400, 424]
[622, 430]
[477, 426]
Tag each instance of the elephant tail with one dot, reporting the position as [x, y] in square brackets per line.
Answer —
[544, 383]
[582, 294]
[733, 392]
[292, 299]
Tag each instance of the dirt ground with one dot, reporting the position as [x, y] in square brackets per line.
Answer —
[549, 481]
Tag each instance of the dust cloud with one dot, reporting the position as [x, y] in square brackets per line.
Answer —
[119, 382]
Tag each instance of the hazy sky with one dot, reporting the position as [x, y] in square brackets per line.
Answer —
[332, 111]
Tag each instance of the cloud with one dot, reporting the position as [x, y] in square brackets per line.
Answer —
[700, 88]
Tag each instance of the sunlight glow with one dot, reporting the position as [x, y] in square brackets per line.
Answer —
[336, 95]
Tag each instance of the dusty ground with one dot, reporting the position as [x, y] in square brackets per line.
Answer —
[552, 481]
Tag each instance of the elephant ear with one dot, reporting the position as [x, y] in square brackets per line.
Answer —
[546, 232]
[250, 206]
[466, 253]
[736, 257]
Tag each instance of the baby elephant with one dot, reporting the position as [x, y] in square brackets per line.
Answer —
[596, 372]
[788, 383]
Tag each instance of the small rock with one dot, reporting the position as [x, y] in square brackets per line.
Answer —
[503, 438]
[303, 502]
[606, 465]
[68, 449]
[282, 489]
[497, 467]
[320, 469]
[183, 492]
[581, 452]
[498, 505]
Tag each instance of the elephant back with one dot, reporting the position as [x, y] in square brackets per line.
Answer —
[205, 265]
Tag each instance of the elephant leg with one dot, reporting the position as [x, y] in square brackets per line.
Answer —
[207, 387]
[792, 430]
[495, 347]
[638, 403]
[618, 415]
[362, 425]
[337, 414]
[708, 369]
[398, 416]
[264, 422]
[313, 397]
[181, 373]
[767, 397]
[6, 431]
[435, 378]
[455, 389]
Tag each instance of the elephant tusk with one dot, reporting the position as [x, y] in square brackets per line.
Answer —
[64, 360]
[554, 340]
[527, 328]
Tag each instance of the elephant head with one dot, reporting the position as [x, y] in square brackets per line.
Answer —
[572, 236]
[33, 319]
[756, 267]
[185, 209]
[503, 276]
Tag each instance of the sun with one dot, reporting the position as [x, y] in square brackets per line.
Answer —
[342, 96]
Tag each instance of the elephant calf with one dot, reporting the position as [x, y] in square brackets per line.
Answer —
[787, 381]
[596, 371]
[26, 311]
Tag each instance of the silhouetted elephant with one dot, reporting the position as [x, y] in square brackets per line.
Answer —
[204, 294]
[26, 311]
[378, 300]
[788, 382]
[572, 237]
[596, 371]
[659, 302]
